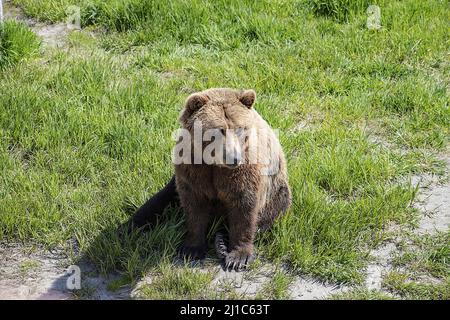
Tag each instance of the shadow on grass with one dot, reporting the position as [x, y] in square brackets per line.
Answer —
[116, 258]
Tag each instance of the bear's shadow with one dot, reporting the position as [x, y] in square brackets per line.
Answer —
[120, 249]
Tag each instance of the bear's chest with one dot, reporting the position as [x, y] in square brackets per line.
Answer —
[199, 178]
[221, 184]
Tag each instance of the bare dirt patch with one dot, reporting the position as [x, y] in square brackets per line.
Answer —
[252, 283]
[33, 273]
[30, 273]
[53, 35]
[433, 202]
[239, 283]
[305, 288]
[380, 266]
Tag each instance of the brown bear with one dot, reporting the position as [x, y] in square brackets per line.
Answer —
[245, 182]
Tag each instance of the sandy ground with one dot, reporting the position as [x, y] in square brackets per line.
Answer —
[249, 285]
[34, 273]
[26, 273]
[433, 202]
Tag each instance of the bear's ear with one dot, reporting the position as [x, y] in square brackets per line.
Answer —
[195, 101]
[248, 98]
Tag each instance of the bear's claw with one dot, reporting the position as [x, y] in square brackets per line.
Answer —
[221, 245]
[238, 261]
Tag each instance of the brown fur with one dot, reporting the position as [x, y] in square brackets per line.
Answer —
[247, 199]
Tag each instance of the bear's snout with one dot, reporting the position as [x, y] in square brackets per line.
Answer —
[236, 161]
[233, 153]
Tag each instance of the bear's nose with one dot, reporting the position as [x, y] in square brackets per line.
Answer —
[237, 160]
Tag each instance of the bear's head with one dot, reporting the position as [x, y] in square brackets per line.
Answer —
[222, 116]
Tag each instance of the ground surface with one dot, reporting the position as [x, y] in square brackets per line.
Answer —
[363, 117]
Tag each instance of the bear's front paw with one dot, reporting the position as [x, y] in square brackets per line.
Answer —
[238, 260]
[192, 252]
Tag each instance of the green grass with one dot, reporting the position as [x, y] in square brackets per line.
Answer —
[28, 265]
[428, 255]
[412, 290]
[277, 287]
[173, 283]
[17, 42]
[87, 138]
[339, 9]
[118, 283]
